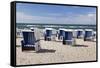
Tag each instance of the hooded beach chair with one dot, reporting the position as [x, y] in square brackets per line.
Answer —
[79, 33]
[68, 37]
[94, 36]
[48, 34]
[18, 33]
[29, 41]
[60, 34]
[88, 36]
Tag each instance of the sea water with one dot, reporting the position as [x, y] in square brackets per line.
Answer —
[56, 26]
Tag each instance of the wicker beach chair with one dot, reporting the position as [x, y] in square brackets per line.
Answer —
[88, 35]
[79, 34]
[48, 34]
[68, 37]
[29, 41]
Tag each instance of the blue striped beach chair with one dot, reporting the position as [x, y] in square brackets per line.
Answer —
[48, 34]
[68, 37]
[29, 40]
[80, 33]
[88, 36]
[60, 34]
[94, 36]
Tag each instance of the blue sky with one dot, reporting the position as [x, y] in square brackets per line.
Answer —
[54, 14]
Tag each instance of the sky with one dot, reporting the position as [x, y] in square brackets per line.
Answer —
[54, 14]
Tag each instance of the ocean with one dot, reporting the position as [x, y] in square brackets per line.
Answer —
[56, 26]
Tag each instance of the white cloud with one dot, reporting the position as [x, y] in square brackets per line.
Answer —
[89, 18]
[90, 15]
[25, 18]
[82, 19]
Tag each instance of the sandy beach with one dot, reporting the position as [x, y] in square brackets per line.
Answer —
[56, 52]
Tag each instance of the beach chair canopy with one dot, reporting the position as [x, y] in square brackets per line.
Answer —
[48, 31]
[30, 40]
[68, 34]
[29, 37]
[68, 37]
[88, 33]
[61, 32]
[80, 32]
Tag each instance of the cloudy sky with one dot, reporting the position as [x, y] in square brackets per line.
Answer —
[54, 14]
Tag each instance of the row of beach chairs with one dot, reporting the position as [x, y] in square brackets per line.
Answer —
[68, 34]
[31, 38]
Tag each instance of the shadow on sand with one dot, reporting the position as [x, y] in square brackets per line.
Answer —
[46, 51]
[80, 45]
[42, 51]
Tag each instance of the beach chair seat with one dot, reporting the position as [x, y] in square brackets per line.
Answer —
[29, 41]
[27, 46]
[48, 38]
[88, 39]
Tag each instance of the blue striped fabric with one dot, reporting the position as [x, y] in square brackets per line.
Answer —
[29, 39]
[48, 33]
[68, 36]
[88, 34]
[61, 34]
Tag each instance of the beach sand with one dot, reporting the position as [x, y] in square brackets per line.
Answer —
[56, 52]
